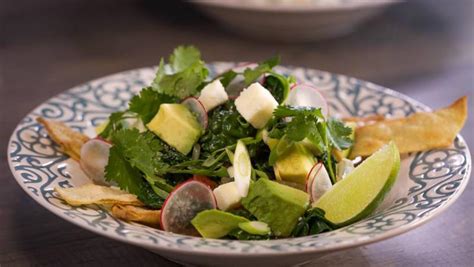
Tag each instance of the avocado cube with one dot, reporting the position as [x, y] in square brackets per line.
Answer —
[278, 205]
[294, 165]
[176, 126]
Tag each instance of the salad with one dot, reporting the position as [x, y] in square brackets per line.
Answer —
[249, 154]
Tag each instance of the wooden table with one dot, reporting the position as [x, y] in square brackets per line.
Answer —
[422, 48]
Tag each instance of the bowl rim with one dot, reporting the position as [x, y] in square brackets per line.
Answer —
[303, 8]
[334, 247]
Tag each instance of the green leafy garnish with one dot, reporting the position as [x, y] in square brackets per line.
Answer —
[251, 75]
[188, 72]
[128, 178]
[278, 85]
[310, 124]
[311, 223]
[240, 234]
[147, 103]
[114, 124]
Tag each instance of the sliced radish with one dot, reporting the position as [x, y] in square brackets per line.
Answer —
[183, 204]
[242, 168]
[206, 180]
[303, 95]
[318, 182]
[94, 158]
[197, 108]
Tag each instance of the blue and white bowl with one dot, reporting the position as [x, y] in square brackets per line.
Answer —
[428, 182]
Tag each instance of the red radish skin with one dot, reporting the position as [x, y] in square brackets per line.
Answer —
[206, 180]
[103, 139]
[318, 182]
[183, 204]
[316, 98]
[195, 106]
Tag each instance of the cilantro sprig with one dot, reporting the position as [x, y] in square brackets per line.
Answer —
[293, 124]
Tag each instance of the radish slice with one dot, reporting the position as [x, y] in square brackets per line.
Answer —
[206, 180]
[94, 158]
[318, 182]
[197, 108]
[303, 95]
[183, 204]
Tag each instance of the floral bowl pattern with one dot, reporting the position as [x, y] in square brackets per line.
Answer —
[428, 182]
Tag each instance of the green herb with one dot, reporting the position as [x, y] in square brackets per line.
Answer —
[310, 124]
[114, 124]
[251, 75]
[130, 179]
[227, 77]
[311, 223]
[278, 85]
[147, 103]
[188, 72]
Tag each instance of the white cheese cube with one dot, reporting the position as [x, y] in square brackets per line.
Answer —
[256, 105]
[227, 196]
[213, 95]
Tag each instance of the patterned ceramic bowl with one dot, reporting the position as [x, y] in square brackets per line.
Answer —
[428, 182]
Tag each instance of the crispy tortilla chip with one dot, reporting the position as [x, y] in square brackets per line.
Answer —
[137, 214]
[417, 132]
[364, 120]
[96, 194]
[68, 139]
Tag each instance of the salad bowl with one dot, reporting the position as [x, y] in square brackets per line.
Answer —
[428, 183]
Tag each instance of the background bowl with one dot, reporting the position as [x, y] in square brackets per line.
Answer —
[428, 182]
[292, 21]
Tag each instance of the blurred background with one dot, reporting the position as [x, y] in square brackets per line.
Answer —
[422, 48]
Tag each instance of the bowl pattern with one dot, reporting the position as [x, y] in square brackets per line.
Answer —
[433, 179]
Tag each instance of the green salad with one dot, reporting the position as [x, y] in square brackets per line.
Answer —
[249, 154]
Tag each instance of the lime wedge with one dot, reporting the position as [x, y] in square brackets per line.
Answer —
[363, 189]
[242, 168]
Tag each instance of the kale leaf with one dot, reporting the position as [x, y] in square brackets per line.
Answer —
[311, 223]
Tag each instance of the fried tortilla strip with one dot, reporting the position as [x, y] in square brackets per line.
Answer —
[417, 132]
[68, 139]
[363, 120]
[96, 194]
[137, 214]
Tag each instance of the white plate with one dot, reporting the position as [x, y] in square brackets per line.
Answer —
[428, 183]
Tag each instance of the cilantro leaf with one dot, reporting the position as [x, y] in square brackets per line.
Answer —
[188, 72]
[183, 57]
[339, 134]
[251, 75]
[227, 77]
[141, 150]
[147, 103]
[114, 124]
[130, 179]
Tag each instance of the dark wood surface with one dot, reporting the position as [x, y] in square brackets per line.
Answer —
[421, 48]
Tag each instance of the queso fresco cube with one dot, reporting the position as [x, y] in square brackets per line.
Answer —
[256, 105]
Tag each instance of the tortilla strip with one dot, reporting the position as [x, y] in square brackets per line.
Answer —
[96, 194]
[363, 120]
[417, 132]
[68, 139]
[137, 214]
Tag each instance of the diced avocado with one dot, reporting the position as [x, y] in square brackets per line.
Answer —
[278, 205]
[216, 223]
[294, 165]
[177, 126]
